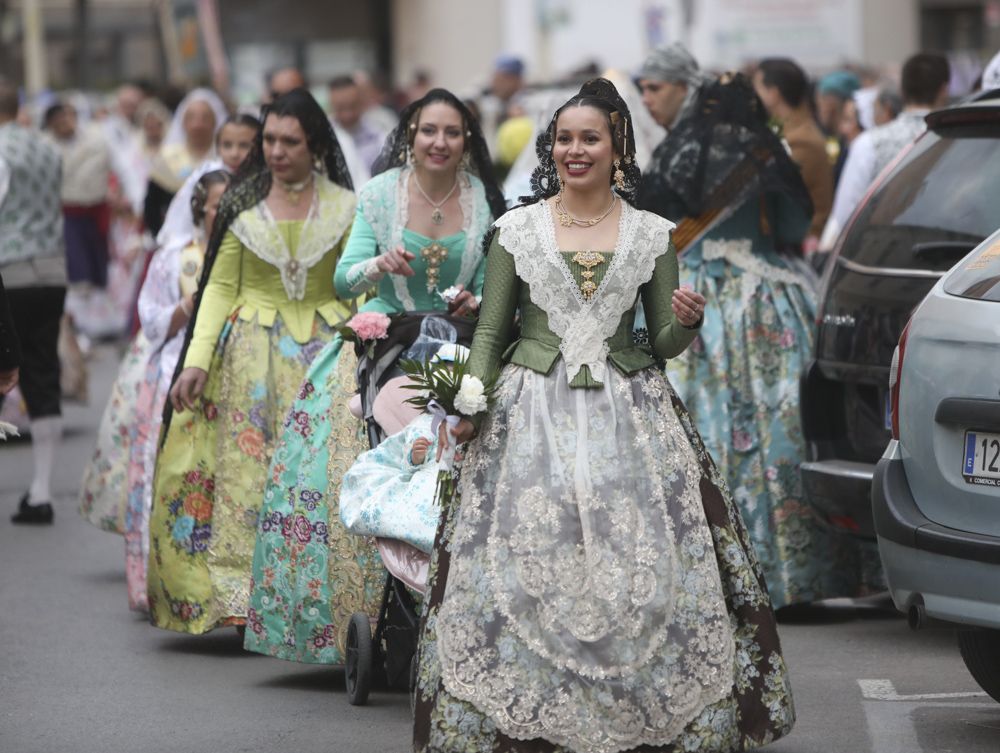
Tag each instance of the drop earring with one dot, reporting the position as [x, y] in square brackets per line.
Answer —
[619, 176]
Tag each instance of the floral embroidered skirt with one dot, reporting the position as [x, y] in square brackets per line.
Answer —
[103, 491]
[309, 573]
[147, 422]
[740, 381]
[211, 473]
[593, 588]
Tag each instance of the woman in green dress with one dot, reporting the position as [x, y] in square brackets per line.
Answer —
[593, 588]
[266, 307]
[418, 231]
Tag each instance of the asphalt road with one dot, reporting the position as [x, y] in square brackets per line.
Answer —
[80, 673]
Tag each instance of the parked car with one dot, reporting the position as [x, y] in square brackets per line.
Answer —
[938, 201]
[936, 492]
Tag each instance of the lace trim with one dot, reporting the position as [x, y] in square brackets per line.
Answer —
[585, 609]
[739, 253]
[330, 215]
[583, 326]
[386, 207]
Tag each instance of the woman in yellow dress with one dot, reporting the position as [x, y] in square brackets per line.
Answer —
[267, 306]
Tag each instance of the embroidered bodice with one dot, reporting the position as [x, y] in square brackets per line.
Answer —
[527, 271]
[266, 279]
[380, 224]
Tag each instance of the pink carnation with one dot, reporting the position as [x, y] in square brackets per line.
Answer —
[370, 325]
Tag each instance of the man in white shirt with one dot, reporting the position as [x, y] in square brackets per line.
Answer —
[924, 87]
[348, 110]
[33, 265]
[86, 160]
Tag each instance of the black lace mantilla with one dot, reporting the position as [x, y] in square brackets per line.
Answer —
[600, 91]
[253, 183]
[396, 150]
[722, 154]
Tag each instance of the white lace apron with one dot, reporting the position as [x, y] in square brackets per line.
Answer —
[584, 604]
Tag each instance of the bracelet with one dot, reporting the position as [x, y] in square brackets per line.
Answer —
[184, 308]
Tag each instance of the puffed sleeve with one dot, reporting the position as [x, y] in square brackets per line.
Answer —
[160, 296]
[216, 302]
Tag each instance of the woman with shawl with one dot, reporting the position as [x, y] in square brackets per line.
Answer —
[418, 231]
[266, 306]
[592, 587]
[743, 210]
[188, 143]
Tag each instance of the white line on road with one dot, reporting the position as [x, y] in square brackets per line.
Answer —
[884, 690]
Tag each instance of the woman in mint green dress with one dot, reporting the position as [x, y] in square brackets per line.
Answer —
[743, 211]
[417, 232]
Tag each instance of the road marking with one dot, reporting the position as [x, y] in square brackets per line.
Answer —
[891, 727]
[884, 690]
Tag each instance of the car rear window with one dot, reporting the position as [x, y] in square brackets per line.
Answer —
[938, 204]
[979, 275]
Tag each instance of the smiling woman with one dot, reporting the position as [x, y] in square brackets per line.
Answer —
[418, 231]
[593, 588]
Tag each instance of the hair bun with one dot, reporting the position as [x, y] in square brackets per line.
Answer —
[603, 89]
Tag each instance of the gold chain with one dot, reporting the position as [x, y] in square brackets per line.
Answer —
[566, 219]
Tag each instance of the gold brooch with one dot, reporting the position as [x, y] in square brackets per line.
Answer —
[588, 260]
[434, 255]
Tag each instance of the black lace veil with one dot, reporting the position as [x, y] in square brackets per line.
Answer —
[602, 95]
[252, 184]
[719, 156]
[396, 150]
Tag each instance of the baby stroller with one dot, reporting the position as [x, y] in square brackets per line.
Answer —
[388, 651]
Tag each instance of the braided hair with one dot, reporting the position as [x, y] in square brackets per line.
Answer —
[600, 94]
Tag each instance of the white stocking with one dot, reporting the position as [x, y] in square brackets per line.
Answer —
[45, 436]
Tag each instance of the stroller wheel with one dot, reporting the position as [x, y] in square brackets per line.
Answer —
[358, 669]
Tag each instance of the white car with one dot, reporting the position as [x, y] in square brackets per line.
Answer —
[936, 490]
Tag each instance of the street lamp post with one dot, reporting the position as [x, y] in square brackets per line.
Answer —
[35, 73]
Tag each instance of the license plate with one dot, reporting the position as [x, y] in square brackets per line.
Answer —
[982, 458]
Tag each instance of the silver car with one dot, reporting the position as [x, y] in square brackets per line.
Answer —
[936, 490]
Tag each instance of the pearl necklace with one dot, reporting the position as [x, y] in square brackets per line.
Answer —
[294, 191]
[437, 216]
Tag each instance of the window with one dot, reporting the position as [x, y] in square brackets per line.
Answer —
[939, 204]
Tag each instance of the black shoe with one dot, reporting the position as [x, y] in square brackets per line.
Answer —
[32, 514]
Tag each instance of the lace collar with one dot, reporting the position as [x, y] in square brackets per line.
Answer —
[330, 215]
[385, 204]
[582, 325]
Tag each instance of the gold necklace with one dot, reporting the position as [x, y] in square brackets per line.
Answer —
[294, 191]
[437, 216]
[566, 219]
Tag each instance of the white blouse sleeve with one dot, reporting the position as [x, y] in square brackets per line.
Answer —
[160, 294]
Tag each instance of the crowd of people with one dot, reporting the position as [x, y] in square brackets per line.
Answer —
[629, 515]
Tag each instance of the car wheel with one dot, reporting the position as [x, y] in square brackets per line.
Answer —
[981, 654]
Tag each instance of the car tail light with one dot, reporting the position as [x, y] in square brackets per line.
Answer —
[895, 379]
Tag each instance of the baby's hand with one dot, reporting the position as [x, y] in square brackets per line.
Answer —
[418, 453]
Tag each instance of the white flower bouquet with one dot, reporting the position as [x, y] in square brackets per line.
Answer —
[447, 390]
